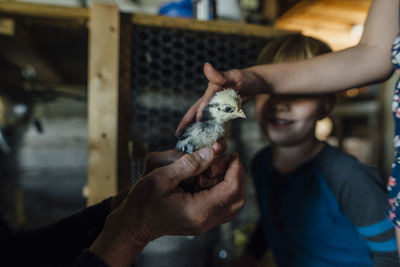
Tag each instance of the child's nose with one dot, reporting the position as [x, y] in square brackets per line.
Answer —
[280, 106]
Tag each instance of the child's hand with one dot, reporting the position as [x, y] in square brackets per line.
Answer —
[239, 80]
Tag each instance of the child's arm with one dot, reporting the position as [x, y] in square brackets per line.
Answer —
[365, 63]
[362, 197]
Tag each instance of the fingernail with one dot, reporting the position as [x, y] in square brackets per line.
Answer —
[216, 147]
[206, 153]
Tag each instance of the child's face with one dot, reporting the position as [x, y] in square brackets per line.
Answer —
[288, 120]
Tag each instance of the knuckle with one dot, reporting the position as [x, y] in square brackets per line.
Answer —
[190, 162]
[152, 155]
[156, 178]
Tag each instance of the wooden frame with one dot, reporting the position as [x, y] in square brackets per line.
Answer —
[103, 104]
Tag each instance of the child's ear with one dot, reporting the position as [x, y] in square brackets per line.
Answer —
[328, 102]
[326, 108]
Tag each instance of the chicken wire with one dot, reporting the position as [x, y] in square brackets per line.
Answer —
[167, 75]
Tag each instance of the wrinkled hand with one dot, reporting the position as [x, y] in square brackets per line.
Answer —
[159, 159]
[239, 80]
[200, 182]
[203, 181]
[156, 207]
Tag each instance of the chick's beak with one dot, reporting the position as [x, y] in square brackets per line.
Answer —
[240, 114]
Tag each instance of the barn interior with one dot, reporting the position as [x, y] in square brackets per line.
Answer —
[86, 92]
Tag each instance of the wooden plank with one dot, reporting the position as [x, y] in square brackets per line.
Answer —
[270, 10]
[43, 11]
[208, 26]
[81, 15]
[103, 101]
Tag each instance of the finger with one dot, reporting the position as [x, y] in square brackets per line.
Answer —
[233, 185]
[214, 76]
[188, 118]
[205, 182]
[220, 146]
[229, 211]
[157, 159]
[218, 167]
[235, 167]
[233, 78]
[189, 165]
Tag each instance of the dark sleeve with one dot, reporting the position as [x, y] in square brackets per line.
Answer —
[89, 259]
[361, 194]
[257, 244]
[58, 244]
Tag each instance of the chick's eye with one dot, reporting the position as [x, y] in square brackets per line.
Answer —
[228, 109]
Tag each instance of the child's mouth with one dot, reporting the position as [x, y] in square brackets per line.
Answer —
[280, 123]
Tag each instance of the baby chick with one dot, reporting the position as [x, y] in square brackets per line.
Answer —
[223, 107]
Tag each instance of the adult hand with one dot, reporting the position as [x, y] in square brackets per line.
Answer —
[156, 206]
[158, 159]
[206, 180]
[241, 80]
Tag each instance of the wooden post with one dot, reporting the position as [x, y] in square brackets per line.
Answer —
[104, 118]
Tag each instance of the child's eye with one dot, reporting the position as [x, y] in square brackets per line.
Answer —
[228, 109]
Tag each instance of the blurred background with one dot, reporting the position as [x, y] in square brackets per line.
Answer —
[44, 61]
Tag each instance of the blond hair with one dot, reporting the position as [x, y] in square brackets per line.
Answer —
[292, 48]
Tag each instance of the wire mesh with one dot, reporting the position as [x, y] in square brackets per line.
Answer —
[167, 75]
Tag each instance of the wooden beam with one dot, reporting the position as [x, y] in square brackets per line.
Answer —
[43, 11]
[270, 10]
[104, 52]
[208, 26]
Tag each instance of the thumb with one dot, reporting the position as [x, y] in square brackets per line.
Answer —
[190, 165]
[213, 75]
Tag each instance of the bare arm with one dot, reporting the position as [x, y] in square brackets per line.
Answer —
[366, 63]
